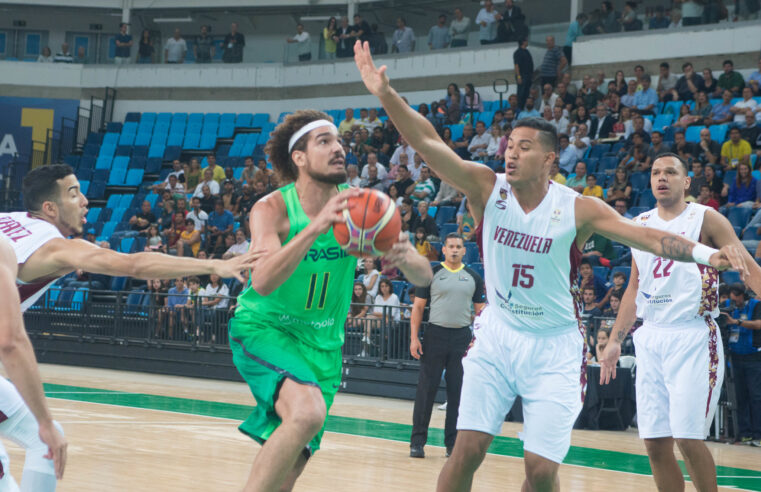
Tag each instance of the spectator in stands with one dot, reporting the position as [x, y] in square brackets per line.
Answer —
[730, 80]
[386, 305]
[524, 72]
[173, 233]
[754, 80]
[692, 13]
[303, 41]
[250, 194]
[559, 121]
[203, 48]
[438, 36]
[176, 298]
[742, 191]
[744, 324]
[667, 82]
[620, 187]
[173, 185]
[602, 126]
[123, 42]
[175, 48]
[189, 242]
[197, 215]
[472, 101]
[659, 20]
[629, 19]
[751, 133]
[657, 145]
[580, 140]
[688, 85]
[64, 56]
[425, 221]
[588, 278]
[232, 45]
[154, 242]
[705, 197]
[229, 197]
[553, 63]
[714, 183]
[592, 188]
[447, 196]
[610, 19]
[424, 188]
[145, 48]
[487, 20]
[637, 156]
[403, 181]
[697, 179]
[403, 39]
[529, 110]
[645, 99]
[239, 246]
[722, 111]
[631, 91]
[578, 180]
[512, 24]
[590, 308]
[220, 222]
[621, 205]
[192, 174]
[81, 57]
[361, 302]
[348, 123]
[676, 19]
[741, 107]
[579, 116]
[218, 173]
[209, 182]
[141, 221]
[361, 29]
[46, 56]
[346, 39]
[479, 143]
[458, 29]
[547, 99]
[372, 180]
[330, 38]
[574, 31]
[567, 156]
[735, 151]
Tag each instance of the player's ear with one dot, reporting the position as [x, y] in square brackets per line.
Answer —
[299, 157]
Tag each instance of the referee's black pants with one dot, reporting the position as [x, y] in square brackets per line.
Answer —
[443, 348]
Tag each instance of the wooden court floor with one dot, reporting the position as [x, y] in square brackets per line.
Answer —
[139, 432]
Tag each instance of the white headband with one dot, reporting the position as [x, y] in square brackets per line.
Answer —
[308, 128]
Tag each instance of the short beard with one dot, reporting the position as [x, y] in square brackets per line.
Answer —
[332, 179]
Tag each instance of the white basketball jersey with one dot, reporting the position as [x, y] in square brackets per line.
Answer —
[27, 234]
[531, 260]
[674, 291]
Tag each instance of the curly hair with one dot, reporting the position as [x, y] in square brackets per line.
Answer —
[277, 146]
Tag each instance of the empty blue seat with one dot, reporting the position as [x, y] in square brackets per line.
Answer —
[191, 141]
[152, 198]
[194, 127]
[175, 139]
[446, 229]
[143, 139]
[639, 181]
[692, 134]
[111, 138]
[86, 162]
[444, 215]
[598, 150]
[478, 268]
[104, 162]
[195, 118]
[662, 121]
[719, 132]
[457, 131]
[126, 245]
[208, 141]
[601, 271]
[172, 152]
[211, 118]
[129, 127]
[472, 253]
[85, 174]
[607, 163]
[635, 211]
[179, 117]
[646, 199]
[260, 119]
[120, 161]
[107, 150]
[97, 190]
[127, 139]
[132, 117]
[93, 214]
[730, 277]
[164, 118]
[84, 186]
[156, 151]
[153, 166]
[226, 130]
[159, 139]
[244, 120]
[116, 177]
[113, 201]
[123, 150]
[134, 177]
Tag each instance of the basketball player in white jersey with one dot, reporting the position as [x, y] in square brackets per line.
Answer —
[680, 360]
[17, 356]
[528, 341]
[56, 209]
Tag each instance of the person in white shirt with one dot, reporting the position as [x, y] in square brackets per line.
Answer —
[208, 180]
[414, 168]
[741, 107]
[480, 142]
[215, 293]
[495, 134]
[304, 43]
[386, 298]
[559, 121]
[240, 247]
[458, 29]
[372, 275]
[487, 22]
[198, 216]
[175, 48]
[46, 56]
[567, 157]
[403, 148]
[372, 159]
[352, 175]
[548, 98]
[173, 185]
[372, 121]
[580, 141]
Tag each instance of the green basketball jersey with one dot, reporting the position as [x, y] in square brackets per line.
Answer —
[313, 302]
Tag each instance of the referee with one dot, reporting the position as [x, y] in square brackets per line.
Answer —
[455, 288]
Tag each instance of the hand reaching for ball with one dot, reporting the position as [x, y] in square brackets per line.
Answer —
[399, 254]
[333, 211]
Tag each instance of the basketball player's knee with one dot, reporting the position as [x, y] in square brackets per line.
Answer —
[541, 475]
[471, 452]
[659, 447]
[689, 446]
[310, 417]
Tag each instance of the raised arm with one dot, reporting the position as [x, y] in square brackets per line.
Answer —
[61, 256]
[627, 315]
[475, 180]
[719, 233]
[595, 216]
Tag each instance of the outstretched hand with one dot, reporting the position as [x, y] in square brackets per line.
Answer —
[375, 79]
[608, 360]
[398, 255]
[233, 267]
[730, 257]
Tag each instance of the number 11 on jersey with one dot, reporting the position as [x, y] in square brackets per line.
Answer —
[313, 288]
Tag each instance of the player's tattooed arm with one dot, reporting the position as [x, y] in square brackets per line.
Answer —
[676, 248]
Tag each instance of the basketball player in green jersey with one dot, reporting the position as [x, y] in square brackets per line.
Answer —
[288, 329]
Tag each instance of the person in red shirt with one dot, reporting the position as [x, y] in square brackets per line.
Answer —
[706, 198]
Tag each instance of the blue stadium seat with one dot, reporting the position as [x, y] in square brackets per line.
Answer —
[126, 245]
[108, 231]
[127, 139]
[730, 277]
[592, 164]
[261, 119]
[191, 141]
[179, 117]
[437, 245]
[153, 166]
[399, 287]
[86, 162]
[226, 130]
[601, 271]
[84, 186]
[457, 131]
[152, 198]
[123, 150]
[175, 139]
[729, 176]
[148, 117]
[607, 163]
[90, 150]
[103, 162]
[172, 152]
[93, 214]
[244, 120]
[194, 127]
[164, 118]
[143, 139]
[107, 150]
[719, 132]
[208, 141]
[113, 201]
[97, 190]
[72, 160]
[444, 215]
[478, 268]
[111, 139]
[156, 151]
[692, 134]
[85, 174]
[129, 127]
[739, 216]
[211, 118]
[616, 148]
[472, 253]
[159, 139]
[662, 121]
[639, 181]
[598, 150]
[446, 229]
[227, 118]
[132, 117]
[134, 177]
[116, 177]
[120, 162]
[646, 199]
[126, 201]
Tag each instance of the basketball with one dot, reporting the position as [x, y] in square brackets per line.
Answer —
[372, 224]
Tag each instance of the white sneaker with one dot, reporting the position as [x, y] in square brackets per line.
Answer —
[443, 406]
[756, 443]
[362, 354]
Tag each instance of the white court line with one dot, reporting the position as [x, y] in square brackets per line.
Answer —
[92, 393]
[384, 439]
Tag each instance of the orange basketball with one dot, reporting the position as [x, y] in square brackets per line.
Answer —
[372, 224]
